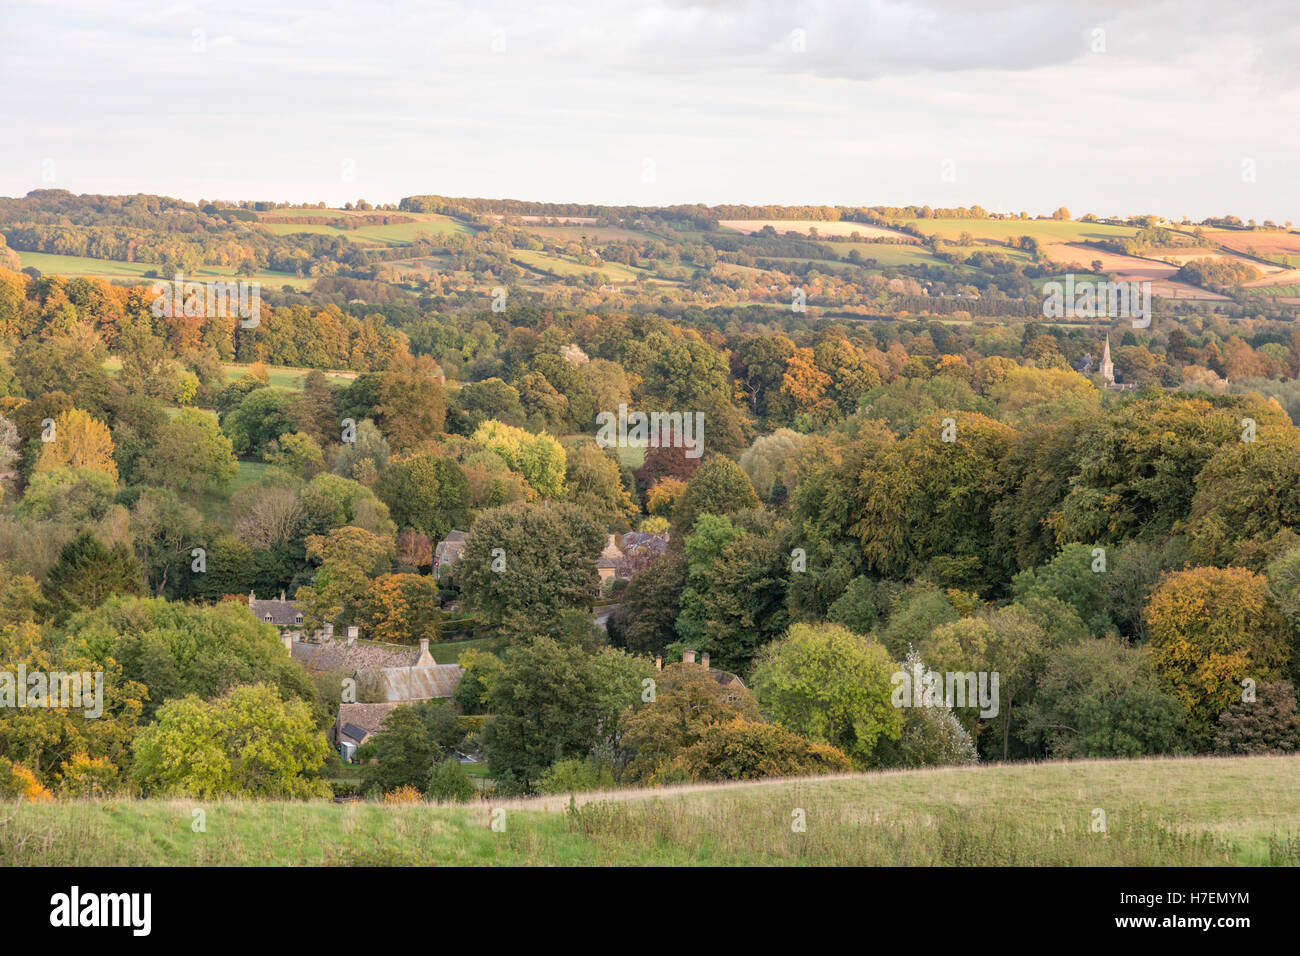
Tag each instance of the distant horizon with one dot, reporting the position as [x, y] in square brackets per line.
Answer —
[1075, 214]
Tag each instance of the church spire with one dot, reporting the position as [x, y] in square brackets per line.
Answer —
[1107, 367]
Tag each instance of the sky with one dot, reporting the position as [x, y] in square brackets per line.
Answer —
[1113, 107]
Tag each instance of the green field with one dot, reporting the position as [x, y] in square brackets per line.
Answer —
[564, 266]
[281, 376]
[1047, 230]
[51, 264]
[1203, 811]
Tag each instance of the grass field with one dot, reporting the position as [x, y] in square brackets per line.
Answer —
[1242, 810]
[51, 264]
[564, 266]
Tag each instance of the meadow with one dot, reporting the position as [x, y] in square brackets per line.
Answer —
[1157, 812]
[53, 264]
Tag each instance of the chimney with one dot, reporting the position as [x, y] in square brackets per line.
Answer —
[353, 631]
[659, 663]
[704, 661]
[611, 543]
[688, 656]
[282, 597]
[288, 643]
[425, 659]
[251, 598]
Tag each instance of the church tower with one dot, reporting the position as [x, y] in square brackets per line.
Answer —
[1107, 366]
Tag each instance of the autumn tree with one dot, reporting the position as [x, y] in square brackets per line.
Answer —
[78, 441]
[1210, 629]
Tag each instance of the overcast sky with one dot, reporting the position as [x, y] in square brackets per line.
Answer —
[1109, 106]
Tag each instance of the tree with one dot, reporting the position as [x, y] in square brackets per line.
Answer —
[932, 736]
[410, 743]
[175, 649]
[687, 702]
[1008, 642]
[79, 441]
[926, 500]
[400, 608]
[261, 416]
[734, 601]
[1102, 698]
[248, 742]
[746, 750]
[412, 408]
[539, 458]
[831, 685]
[1266, 725]
[189, 453]
[645, 621]
[719, 487]
[1073, 577]
[88, 573]
[449, 783]
[474, 692]
[1247, 495]
[1211, 628]
[369, 445]
[349, 558]
[523, 564]
[592, 482]
[545, 709]
[426, 492]
[297, 452]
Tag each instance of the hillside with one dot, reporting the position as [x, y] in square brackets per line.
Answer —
[1204, 811]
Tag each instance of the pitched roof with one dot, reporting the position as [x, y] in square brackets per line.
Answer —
[420, 683]
[365, 719]
[279, 612]
[358, 656]
[354, 733]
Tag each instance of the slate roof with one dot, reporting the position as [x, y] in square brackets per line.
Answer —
[354, 733]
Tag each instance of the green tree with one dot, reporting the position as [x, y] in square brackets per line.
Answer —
[718, 487]
[248, 742]
[545, 709]
[831, 685]
[523, 564]
[88, 573]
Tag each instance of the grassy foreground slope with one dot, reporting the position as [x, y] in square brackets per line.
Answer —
[1158, 812]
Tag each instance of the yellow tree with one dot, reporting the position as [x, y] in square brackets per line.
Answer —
[78, 441]
[1210, 630]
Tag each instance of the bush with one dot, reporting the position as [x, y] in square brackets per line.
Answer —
[403, 795]
[449, 783]
[577, 776]
[743, 750]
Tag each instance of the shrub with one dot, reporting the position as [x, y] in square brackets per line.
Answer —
[449, 783]
[404, 794]
[577, 776]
